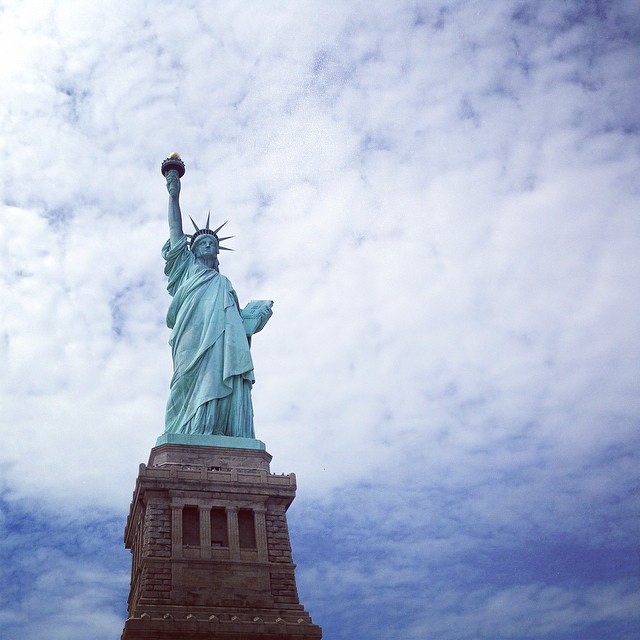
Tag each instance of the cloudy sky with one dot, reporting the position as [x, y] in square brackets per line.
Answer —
[442, 200]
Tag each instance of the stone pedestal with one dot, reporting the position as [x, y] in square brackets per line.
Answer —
[211, 556]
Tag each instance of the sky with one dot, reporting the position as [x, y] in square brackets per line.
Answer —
[442, 200]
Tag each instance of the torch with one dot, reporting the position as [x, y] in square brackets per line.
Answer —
[173, 163]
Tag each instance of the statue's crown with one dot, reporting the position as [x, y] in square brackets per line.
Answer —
[207, 231]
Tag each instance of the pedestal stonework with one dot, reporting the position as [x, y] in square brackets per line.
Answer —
[211, 556]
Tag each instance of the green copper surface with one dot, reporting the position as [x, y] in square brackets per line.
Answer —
[229, 442]
[210, 392]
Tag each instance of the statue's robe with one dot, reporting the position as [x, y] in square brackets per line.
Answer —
[212, 368]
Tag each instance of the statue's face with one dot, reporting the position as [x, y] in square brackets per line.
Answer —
[205, 246]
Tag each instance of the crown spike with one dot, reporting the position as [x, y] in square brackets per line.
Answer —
[194, 224]
[225, 238]
[220, 227]
[225, 248]
[208, 216]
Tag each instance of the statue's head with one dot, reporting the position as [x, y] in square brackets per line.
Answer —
[204, 234]
[205, 248]
[205, 243]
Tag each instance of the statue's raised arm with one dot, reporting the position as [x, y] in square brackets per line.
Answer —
[210, 391]
[173, 169]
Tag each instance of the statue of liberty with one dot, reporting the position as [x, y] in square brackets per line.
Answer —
[210, 391]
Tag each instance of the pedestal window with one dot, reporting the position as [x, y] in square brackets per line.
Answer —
[190, 526]
[247, 529]
[219, 532]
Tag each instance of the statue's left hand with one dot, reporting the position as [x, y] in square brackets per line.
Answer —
[266, 310]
